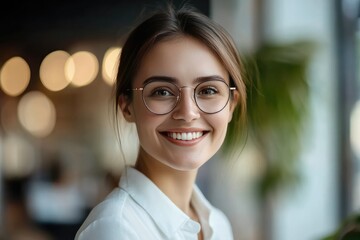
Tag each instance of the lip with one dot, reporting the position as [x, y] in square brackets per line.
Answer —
[198, 135]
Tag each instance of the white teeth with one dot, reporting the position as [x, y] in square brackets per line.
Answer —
[189, 136]
[185, 136]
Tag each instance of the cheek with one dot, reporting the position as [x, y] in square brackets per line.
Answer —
[220, 122]
[146, 122]
[146, 132]
[139, 109]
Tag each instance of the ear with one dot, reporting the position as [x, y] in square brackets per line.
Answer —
[233, 103]
[125, 105]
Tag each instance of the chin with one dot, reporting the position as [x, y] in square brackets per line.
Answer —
[186, 164]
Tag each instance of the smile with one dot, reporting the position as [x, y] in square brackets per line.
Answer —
[185, 136]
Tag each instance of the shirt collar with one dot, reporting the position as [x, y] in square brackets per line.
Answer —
[204, 210]
[157, 204]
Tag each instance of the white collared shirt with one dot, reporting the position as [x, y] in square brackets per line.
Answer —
[138, 209]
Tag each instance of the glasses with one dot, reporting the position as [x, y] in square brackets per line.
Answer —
[161, 97]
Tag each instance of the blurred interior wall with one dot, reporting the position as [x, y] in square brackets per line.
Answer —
[240, 19]
[309, 211]
[347, 36]
[229, 184]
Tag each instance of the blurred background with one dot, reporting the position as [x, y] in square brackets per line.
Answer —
[297, 175]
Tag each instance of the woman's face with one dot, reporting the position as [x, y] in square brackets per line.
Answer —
[186, 137]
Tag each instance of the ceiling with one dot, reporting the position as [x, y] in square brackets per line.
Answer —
[39, 23]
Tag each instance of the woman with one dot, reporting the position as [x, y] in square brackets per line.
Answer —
[179, 82]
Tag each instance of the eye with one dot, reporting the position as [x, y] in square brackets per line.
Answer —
[207, 91]
[162, 92]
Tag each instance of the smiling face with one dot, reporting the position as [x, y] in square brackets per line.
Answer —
[185, 138]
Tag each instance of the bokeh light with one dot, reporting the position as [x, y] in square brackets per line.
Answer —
[37, 114]
[15, 76]
[110, 64]
[52, 70]
[19, 156]
[81, 68]
[355, 129]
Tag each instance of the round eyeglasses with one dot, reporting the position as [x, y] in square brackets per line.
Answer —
[161, 97]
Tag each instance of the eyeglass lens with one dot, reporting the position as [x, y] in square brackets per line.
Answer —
[161, 97]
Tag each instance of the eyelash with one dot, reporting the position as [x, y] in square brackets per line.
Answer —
[157, 92]
[212, 89]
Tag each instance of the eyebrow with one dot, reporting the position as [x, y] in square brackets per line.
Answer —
[175, 80]
[208, 78]
[160, 79]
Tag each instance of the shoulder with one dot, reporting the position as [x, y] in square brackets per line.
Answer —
[106, 220]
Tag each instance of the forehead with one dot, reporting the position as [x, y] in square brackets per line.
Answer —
[183, 58]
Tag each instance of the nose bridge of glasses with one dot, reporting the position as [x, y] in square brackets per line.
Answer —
[191, 91]
[186, 107]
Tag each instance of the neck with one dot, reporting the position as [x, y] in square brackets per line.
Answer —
[175, 184]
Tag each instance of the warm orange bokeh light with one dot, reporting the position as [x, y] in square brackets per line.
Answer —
[81, 68]
[52, 70]
[15, 76]
[36, 113]
[110, 64]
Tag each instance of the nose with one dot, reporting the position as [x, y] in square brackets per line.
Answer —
[186, 109]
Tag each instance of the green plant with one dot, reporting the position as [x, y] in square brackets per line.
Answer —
[348, 230]
[278, 94]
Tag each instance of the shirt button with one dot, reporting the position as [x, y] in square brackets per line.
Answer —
[192, 227]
